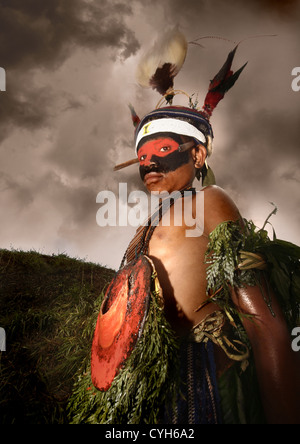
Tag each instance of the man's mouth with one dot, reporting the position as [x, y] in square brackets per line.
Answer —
[153, 177]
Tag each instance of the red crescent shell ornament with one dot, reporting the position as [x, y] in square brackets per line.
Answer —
[120, 321]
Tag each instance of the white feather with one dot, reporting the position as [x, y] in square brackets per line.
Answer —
[169, 48]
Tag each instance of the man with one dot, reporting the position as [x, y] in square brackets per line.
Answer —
[190, 324]
[179, 261]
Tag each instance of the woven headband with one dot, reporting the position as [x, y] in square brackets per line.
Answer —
[169, 125]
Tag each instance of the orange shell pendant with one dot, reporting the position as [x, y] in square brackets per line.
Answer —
[120, 321]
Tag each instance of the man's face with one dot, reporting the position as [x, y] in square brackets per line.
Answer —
[163, 167]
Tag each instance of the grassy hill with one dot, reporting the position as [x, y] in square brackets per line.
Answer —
[48, 308]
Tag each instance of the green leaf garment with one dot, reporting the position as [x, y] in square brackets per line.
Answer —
[238, 254]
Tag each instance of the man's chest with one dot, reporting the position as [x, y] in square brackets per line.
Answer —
[181, 268]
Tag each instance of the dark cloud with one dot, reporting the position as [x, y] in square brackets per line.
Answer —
[292, 174]
[64, 120]
[282, 8]
[23, 105]
[198, 9]
[41, 35]
[37, 33]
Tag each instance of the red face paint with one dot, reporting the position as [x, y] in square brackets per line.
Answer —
[161, 155]
[160, 148]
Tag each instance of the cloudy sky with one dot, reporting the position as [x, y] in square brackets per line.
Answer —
[64, 118]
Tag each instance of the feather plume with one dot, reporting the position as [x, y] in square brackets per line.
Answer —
[221, 83]
[135, 118]
[162, 62]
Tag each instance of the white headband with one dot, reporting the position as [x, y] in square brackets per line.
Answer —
[169, 125]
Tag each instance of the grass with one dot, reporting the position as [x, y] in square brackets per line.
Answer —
[48, 308]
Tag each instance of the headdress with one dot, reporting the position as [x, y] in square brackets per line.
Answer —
[157, 70]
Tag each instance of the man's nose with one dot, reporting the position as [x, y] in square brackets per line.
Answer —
[150, 162]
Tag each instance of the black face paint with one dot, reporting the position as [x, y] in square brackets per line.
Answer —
[166, 164]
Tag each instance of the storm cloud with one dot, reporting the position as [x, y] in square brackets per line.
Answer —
[65, 122]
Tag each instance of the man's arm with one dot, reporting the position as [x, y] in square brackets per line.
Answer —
[277, 365]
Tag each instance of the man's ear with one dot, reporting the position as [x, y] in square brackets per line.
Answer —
[199, 155]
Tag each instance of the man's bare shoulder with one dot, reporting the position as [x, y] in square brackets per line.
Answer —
[218, 207]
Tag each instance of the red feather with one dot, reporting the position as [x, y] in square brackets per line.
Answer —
[135, 118]
[220, 84]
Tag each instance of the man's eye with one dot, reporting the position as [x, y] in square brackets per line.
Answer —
[143, 157]
[164, 149]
